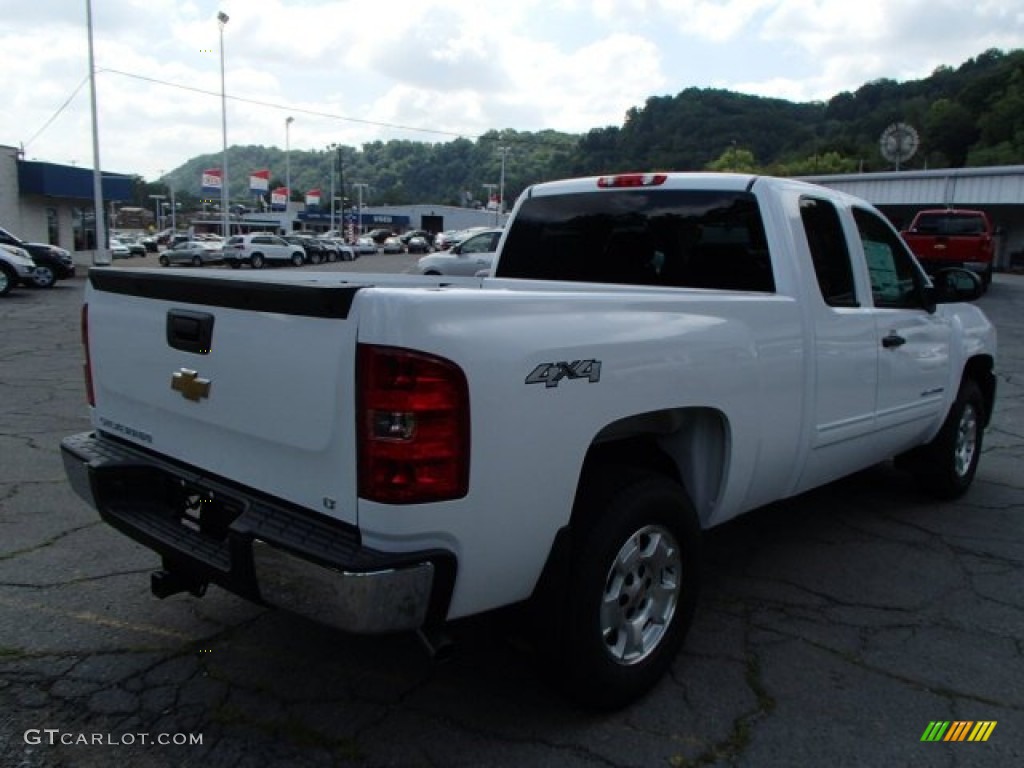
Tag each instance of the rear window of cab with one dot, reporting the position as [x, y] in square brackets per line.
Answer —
[664, 237]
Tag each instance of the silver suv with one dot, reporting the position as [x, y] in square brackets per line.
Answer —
[257, 248]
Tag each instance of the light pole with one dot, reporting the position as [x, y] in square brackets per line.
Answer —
[158, 201]
[288, 160]
[501, 190]
[360, 186]
[101, 255]
[225, 229]
[490, 193]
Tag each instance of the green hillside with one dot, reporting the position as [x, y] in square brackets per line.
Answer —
[972, 115]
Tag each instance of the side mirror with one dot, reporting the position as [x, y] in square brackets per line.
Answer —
[955, 284]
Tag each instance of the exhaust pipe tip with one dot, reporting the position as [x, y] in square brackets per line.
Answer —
[438, 645]
[166, 583]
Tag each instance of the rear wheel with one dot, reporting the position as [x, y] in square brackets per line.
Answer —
[331, 257]
[196, 261]
[256, 261]
[235, 264]
[630, 589]
[945, 467]
[164, 261]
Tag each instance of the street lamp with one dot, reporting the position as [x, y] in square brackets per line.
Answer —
[225, 230]
[288, 160]
[501, 190]
[360, 186]
[158, 201]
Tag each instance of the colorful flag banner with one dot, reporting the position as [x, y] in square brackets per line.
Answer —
[279, 197]
[259, 181]
[212, 181]
[313, 197]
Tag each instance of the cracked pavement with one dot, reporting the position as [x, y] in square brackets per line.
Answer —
[833, 627]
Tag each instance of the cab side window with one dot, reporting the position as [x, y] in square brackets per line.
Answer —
[829, 253]
[895, 279]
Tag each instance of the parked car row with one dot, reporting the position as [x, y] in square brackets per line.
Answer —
[48, 263]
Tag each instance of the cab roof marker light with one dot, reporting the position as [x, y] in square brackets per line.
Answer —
[626, 180]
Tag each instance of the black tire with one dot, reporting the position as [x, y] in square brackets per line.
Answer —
[196, 261]
[44, 277]
[632, 530]
[256, 261]
[298, 259]
[945, 467]
[317, 258]
[164, 261]
[331, 257]
[8, 279]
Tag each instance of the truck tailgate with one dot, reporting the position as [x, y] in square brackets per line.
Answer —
[250, 380]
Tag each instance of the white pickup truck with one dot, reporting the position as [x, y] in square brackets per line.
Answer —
[653, 355]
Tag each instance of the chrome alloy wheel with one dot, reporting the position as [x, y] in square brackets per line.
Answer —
[640, 595]
[966, 440]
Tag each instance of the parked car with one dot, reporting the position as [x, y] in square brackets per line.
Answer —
[345, 252]
[407, 236]
[149, 243]
[417, 244]
[445, 240]
[392, 244]
[473, 255]
[256, 249]
[194, 252]
[365, 246]
[315, 250]
[135, 248]
[379, 235]
[52, 263]
[16, 266]
[119, 250]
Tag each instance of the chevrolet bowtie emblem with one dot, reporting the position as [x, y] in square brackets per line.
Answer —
[190, 385]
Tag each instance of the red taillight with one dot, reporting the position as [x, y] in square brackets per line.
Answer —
[624, 180]
[413, 419]
[90, 395]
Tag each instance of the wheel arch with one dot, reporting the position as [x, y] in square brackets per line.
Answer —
[687, 445]
[981, 369]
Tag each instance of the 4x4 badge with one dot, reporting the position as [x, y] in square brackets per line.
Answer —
[190, 385]
[550, 374]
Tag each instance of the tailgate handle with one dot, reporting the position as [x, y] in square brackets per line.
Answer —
[190, 331]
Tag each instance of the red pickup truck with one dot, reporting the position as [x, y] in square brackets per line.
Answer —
[952, 237]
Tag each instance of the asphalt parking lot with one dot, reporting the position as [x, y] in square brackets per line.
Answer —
[834, 627]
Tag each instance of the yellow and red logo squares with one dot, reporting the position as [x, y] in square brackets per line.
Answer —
[958, 730]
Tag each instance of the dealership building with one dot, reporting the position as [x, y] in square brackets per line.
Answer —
[46, 202]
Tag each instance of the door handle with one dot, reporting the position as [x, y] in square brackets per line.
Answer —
[893, 340]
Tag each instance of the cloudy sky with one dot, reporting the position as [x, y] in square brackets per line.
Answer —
[353, 71]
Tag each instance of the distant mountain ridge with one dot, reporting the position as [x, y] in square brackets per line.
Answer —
[972, 115]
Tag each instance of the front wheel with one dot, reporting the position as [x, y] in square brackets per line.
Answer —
[632, 586]
[298, 259]
[44, 277]
[8, 278]
[256, 261]
[196, 261]
[164, 261]
[331, 257]
[945, 467]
